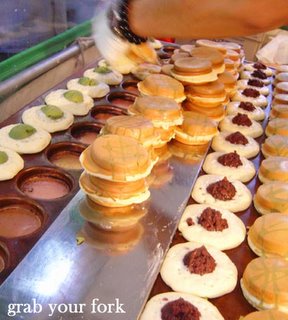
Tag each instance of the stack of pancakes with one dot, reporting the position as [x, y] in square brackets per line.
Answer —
[115, 168]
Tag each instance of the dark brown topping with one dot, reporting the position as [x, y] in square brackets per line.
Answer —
[249, 92]
[231, 159]
[237, 138]
[180, 309]
[222, 190]
[242, 120]
[199, 261]
[259, 74]
[190, 222]
[259, 65]
[212, 220]
[248, 106]
[255, 83]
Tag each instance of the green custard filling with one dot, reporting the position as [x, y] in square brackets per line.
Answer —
[52, 112]
[21, 131]
[102, 69]
[3, 157]
[85, 81]
[74, 96]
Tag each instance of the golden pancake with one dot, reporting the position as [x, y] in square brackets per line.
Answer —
[268, 236]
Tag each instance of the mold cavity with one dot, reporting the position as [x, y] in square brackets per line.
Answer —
[44, 183]
[102, 113]
[121, 99]
[131, 86]
[85, 132]
[65, 155]
[18, 218]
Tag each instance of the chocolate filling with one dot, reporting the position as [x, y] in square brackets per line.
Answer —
[259, 65]
[190, 222]
[253, 93]
[259, 74]
[222, 190]
[255, 83]
[231, 159]
[199, 261]
[211, 220]
[242, 120]
[179, 309]
[248, 106]
[237, 138]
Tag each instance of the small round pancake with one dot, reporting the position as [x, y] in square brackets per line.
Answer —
[244, 172]
[161, 111]
[143, 70]
[277, 126]
[106, 193]
[249, 150]
[196, 129]
[281, 77]
[268, 236]
[255, 130]
[248, 75]
[34, 143]
[137, 127]
[154, 307]
[10, 164]
[207, 94]
[272, 197]
[36, 117]
[276, 145]
[163, 86]
[273, 169]
[211, 54]
[272, 314]
[260, 101]
[279, 111]
[209, 285]
[243, 84]
[241, 200]
[256, 113]
[92, 89]
[265, 283]
[104, 74]
[193, 70]
[117, 158]
[228, 238]
[81, 108]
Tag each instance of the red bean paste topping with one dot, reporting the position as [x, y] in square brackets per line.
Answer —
[237, 138]
[255, 83]
[222, 190]
[231, 159]
[249, 92]
[179, 309]
[199, 261]
[242, 120]
[190, 222]
[259, 65]
[259, 74]
[248, 106]
[211, 220]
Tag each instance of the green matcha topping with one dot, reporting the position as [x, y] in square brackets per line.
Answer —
[103, 69]
[3, 157]
[52, 112]
[21, 131]
[85, 81]
[74, 96]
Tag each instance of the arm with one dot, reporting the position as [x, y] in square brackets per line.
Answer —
[205, 18]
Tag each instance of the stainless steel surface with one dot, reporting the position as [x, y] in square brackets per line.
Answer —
[12, 84]
[58, 271]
